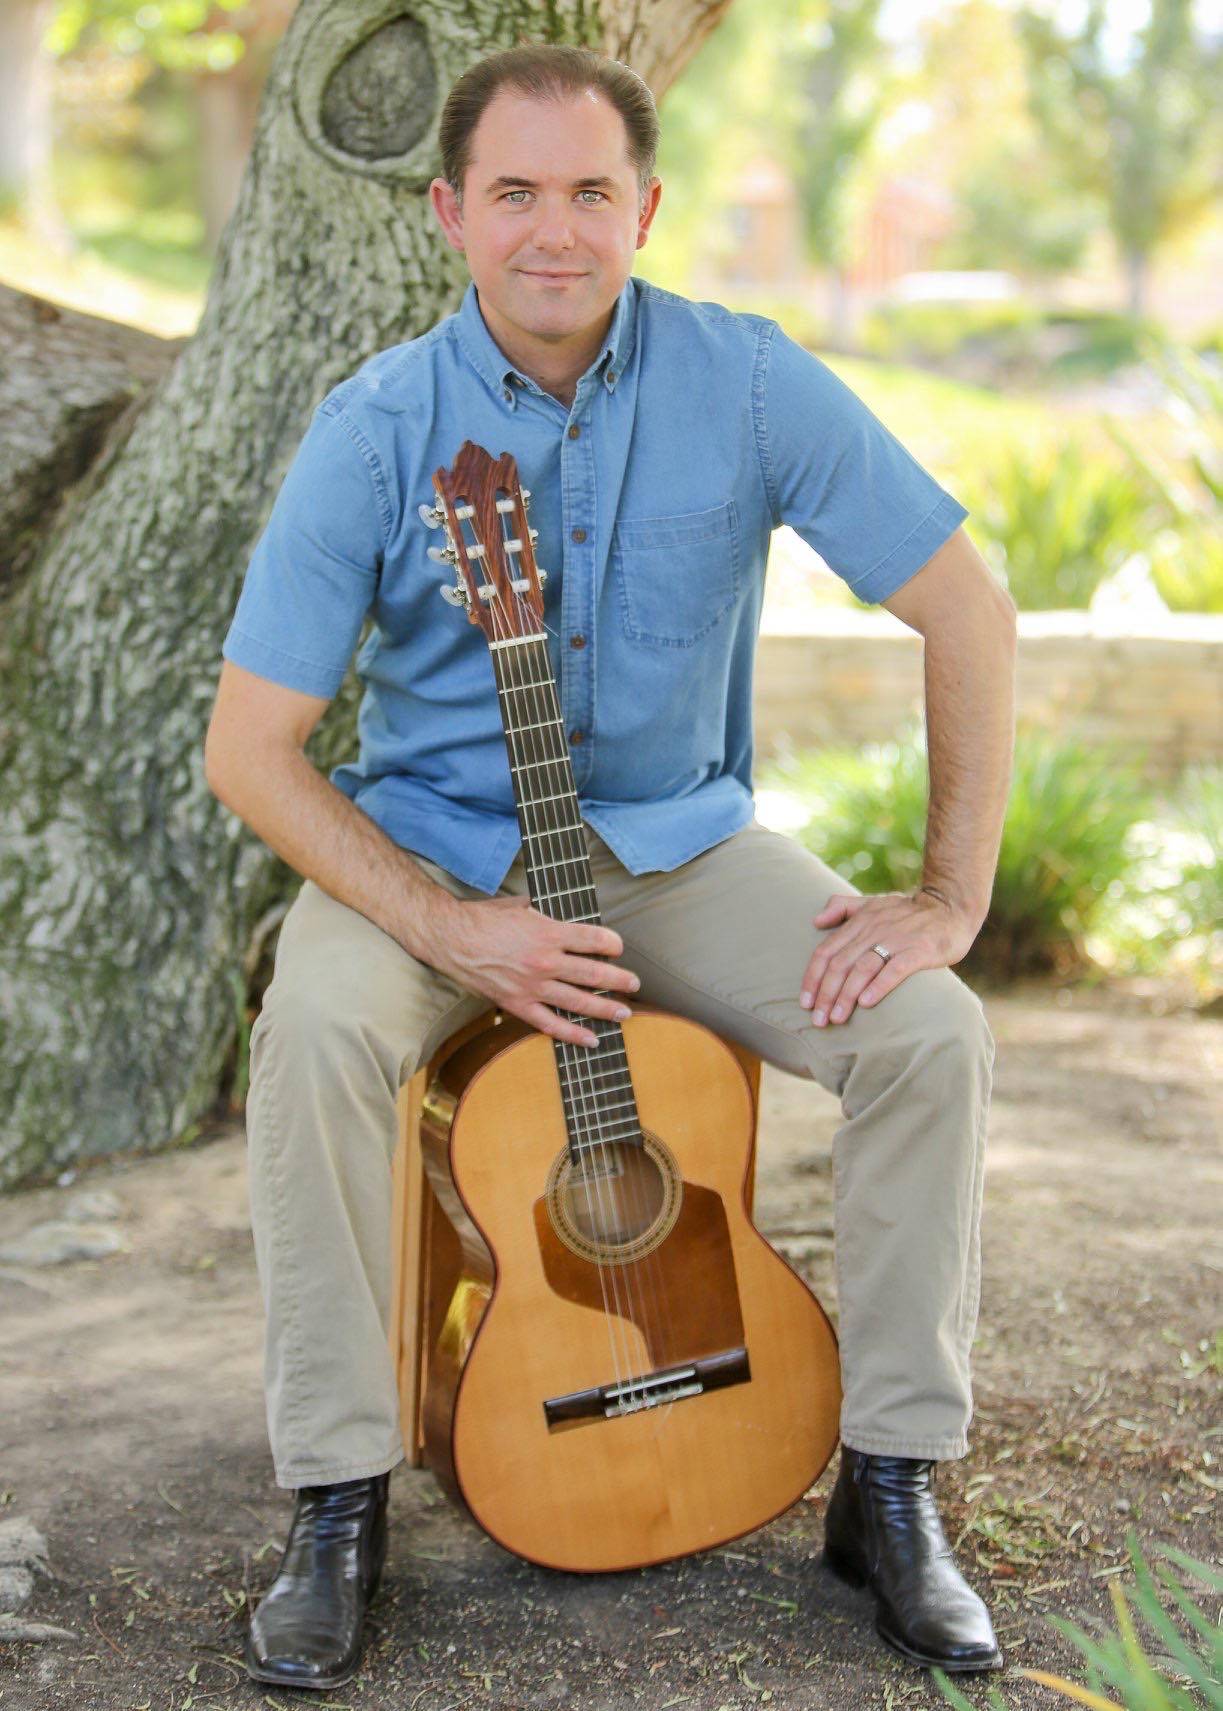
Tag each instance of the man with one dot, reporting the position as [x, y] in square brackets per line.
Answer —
[662, 441]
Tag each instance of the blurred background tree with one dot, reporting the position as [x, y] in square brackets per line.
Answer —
[1144, 137]
[842, 78]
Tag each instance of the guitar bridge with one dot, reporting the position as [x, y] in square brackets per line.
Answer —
[649, 1390]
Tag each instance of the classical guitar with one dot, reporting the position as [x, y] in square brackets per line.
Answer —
[627, 1372]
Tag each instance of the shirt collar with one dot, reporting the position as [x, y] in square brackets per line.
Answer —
[490, 362]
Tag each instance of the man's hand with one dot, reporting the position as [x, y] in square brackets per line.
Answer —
[526, 962]
[920, 931]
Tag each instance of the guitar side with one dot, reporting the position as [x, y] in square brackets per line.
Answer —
[743, 1417]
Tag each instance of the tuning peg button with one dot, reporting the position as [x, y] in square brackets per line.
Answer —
[431, 515]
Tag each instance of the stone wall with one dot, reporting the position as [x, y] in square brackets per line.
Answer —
[852, 677]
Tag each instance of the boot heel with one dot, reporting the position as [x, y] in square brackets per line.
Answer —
[842, 1567]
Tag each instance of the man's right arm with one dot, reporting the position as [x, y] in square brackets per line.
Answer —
[254, 762]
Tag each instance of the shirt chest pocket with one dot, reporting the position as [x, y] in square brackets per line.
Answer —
[676, 577]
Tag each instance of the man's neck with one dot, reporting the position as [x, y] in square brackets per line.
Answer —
[557, 369]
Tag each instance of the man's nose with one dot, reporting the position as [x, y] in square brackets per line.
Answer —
[554, 228]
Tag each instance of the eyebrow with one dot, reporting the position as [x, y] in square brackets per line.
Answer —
[509, 183]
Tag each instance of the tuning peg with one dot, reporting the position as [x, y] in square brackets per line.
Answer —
[443, 555]
[432, 516]
[534, 534]
[542, 574]
[455, 596]
[526, 498]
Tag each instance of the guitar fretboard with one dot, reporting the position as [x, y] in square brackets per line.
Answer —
[596, 1090]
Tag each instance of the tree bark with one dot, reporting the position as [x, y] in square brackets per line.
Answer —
[128, 895]
[67, 383]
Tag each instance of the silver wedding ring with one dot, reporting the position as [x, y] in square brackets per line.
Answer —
[880, 951]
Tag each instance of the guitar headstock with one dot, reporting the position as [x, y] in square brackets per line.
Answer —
[482, 506]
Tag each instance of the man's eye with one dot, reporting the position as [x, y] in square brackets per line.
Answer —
[510, 194]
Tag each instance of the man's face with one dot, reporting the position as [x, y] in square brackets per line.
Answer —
[551, 217]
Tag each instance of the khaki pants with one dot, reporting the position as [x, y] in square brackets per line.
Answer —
[724, 939]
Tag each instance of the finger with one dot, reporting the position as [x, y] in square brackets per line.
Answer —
[856, 980]
[579, 971]
[558, 1027]
[879, 985]
[584, 1002]
[590, 940]
[830, 990]
[834, 966]
[868, 988]
[838, 908]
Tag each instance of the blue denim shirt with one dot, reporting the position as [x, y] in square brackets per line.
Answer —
[695, 433]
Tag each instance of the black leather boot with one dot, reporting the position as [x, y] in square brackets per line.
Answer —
[307, 1629]
[883, 1530]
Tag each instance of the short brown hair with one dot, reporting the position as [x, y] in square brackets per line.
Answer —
[548, 72]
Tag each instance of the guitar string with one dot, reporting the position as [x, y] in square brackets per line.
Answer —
[616, 1325]
[644, 1269]
[571, 1079]
[647, 1268]
[539, 683]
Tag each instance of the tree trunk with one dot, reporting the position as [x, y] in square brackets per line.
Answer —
[1136, 268]
[840, 317]
[25, 110]
[128, 895]
[66, 383]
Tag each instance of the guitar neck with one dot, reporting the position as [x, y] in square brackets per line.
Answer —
[596, 1089]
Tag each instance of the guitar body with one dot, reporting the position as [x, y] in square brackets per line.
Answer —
[645, 1271]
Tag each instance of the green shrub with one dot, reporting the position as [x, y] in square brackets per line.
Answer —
[1054, 520]
[1187, 569]
[1063, 844]
[906, 331]
[1184, 1674]
[1185, 476]
[1099, 341]
[1062, 344]
[1165, 913]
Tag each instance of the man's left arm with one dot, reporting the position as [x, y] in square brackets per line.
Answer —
[968, 623]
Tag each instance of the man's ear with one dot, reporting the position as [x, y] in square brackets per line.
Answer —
[449, 213]
[648, 209]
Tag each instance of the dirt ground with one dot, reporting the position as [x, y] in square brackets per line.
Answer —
[132, 1430]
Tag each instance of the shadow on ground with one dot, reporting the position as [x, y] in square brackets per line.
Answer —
[132, 1433]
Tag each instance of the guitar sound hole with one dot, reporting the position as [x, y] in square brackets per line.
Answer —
[617, 1201]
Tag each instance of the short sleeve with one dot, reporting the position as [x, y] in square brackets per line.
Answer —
[842, 480]
[314, 571]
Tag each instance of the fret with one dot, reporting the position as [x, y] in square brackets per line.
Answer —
[603, 1137]
[535, 683]
[614, 1104]
[581, 1147]
[558, 796]
[541, 725]
[602, 1074]
[551, 832]
[565, 861]
[529, 765]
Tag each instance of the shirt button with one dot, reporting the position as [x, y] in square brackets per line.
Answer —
[574, 430]
[579, 535]
[507, 394]
[575, 736]
[577, 641]
[611, 379]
